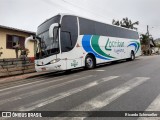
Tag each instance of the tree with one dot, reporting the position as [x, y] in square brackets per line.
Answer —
[114, 22]
[144, 39]
[125, 22]
[17, 48]
[24, 52]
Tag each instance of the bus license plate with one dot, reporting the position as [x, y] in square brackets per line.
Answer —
[43, 69]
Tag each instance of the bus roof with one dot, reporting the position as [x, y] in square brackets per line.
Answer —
[63, 14]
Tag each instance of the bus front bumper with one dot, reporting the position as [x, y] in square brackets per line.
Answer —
[51, 67]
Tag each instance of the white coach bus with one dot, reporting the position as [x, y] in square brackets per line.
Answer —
[66, 42]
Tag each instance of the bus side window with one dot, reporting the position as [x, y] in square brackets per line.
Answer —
[87, 27]
[69, 33]
[67, 42]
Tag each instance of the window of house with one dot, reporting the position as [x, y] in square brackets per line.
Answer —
[13, 40]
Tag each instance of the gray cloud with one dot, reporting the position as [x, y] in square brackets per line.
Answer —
[28, 14]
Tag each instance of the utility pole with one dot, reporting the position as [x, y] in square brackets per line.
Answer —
[148, 39]
[148, 30]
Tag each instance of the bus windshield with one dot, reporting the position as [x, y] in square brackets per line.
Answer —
[47, 46]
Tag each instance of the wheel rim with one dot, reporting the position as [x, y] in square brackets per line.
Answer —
[89, 62]
[132, 56]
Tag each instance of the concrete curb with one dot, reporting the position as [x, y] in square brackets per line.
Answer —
[20, 77]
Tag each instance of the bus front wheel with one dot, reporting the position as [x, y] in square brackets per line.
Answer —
[90, 62]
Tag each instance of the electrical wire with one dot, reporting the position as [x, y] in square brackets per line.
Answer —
[86, 10]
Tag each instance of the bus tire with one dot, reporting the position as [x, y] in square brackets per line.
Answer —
[68, 71]
[90, 62]
[132, 58]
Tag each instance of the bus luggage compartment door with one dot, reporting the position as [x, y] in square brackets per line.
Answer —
[74, 63]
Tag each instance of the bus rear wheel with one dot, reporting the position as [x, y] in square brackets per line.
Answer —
[90, 62]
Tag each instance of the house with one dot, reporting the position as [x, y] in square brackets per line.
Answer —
[11, 37]
[153, 46]
[152, 43]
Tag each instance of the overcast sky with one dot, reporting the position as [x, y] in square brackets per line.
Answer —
[28, 14]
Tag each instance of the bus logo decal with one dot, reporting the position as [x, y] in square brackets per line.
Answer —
[135, 44]
[96, 47]
[106, 47]
[90, 45]
[113, 44]
[74, 64]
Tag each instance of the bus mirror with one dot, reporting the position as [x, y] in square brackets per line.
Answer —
[55, 33]
[51, 29]
[31, 38]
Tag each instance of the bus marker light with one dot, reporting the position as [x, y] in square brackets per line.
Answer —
[78, 45]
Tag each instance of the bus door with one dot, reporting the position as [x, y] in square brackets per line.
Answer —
[69, 36]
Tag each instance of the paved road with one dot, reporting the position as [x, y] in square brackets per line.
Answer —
[124, 86]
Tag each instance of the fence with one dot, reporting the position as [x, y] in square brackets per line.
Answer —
[10, 67]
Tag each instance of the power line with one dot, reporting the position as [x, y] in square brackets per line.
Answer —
[82, 8]
[154, 26]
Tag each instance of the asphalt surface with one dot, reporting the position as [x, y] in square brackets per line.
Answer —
[122, 86]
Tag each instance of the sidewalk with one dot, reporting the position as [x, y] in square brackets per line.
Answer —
[20, 77]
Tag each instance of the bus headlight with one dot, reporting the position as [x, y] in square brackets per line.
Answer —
[55, 61]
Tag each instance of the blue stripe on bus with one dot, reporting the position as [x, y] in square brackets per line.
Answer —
[86, 40]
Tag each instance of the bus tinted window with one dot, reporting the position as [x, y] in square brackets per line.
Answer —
[96, 28]
[45, 26]
[69, 33]
[112, 31]
[100, 29]
[87, 27]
